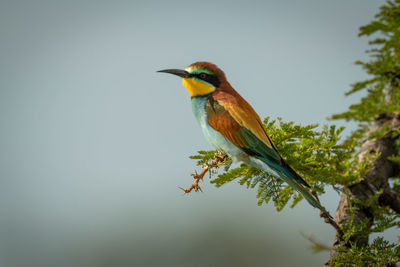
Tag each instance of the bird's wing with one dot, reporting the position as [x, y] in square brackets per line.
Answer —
[235, 119]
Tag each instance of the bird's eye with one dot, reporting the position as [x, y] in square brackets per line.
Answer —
[203, 76]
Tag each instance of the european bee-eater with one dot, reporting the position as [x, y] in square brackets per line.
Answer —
[232, 126]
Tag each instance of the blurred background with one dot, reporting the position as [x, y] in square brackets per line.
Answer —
[94, 143]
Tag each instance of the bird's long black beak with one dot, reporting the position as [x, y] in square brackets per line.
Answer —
[180, 73]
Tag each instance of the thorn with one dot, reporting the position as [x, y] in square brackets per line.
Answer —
[183, 189]
[198, 188]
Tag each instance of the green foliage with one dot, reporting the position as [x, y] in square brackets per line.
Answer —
[382, 97]
[396, 158]
[379, 253]
[203, 157]
[323, 159]
[317, 155]
[384, 219]
[396, 185]
[383, 89]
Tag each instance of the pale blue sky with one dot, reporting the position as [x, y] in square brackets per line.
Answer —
[95, 142]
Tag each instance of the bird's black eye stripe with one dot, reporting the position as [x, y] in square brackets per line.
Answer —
[210, 78]
[202, 76]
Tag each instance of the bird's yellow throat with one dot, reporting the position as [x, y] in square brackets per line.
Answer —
[196, 87]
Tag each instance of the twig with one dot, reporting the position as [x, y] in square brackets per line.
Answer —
[327, 218]
[317, 245]
[218, 158]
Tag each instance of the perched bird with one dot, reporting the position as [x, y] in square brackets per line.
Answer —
[231, 125]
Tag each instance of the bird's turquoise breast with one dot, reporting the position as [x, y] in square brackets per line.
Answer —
[212, 136]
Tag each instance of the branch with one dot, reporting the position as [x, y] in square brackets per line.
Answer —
[381, 170]
[328, 219]
[218, 159]
[390, 198]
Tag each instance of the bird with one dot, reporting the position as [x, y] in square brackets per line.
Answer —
[231, 125]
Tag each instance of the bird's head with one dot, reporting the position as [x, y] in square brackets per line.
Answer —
[200, 78]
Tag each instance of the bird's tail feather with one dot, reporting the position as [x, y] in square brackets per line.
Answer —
[292, 181]
[305, 193]
[294, 184]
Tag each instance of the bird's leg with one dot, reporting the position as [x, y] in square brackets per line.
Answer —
[218, 158]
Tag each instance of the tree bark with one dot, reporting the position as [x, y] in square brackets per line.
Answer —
[374, 180]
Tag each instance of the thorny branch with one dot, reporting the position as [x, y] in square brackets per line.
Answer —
[218, 159]
[328, 219]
